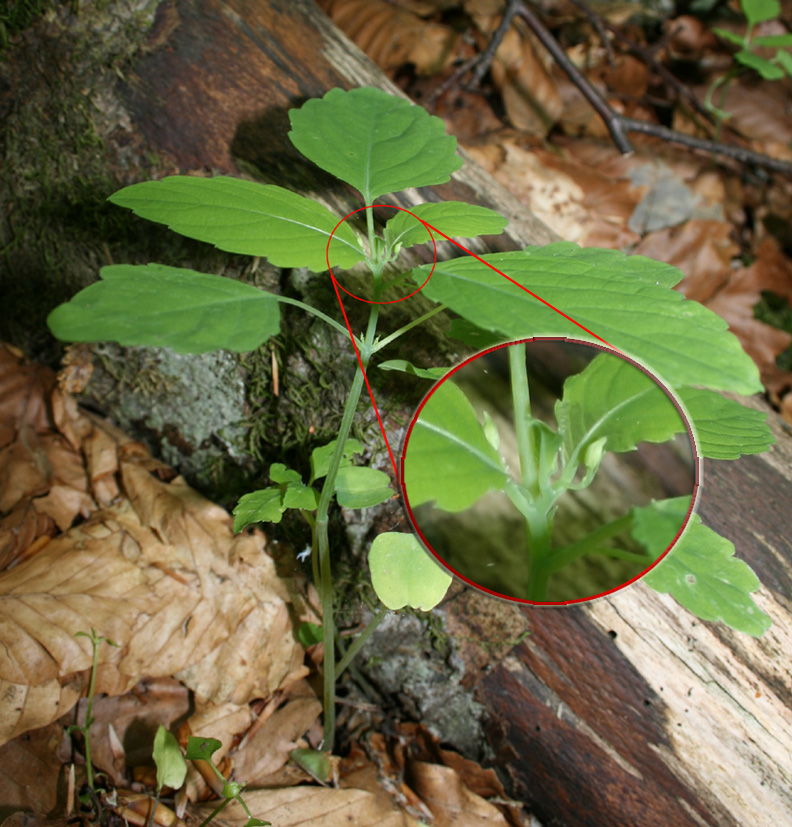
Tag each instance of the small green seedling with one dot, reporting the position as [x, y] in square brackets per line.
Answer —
[171, 766]
[381, 144]
[202, 749]
[776, 66]
[85, 728]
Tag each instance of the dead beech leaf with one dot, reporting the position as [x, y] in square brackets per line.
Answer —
[30, 768]
[393, 36]
[161, 573]
[702, 249]
[268, 750]
[315, 807]
[451, 802]
[529, 93]
[25, 389]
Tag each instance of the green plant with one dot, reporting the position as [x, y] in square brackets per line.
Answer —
[773, 67]
[452, 460]
[85, 728]
[381, 144]
[172, 770]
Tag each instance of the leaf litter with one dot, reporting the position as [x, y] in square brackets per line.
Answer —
[531, 129]
[96, 533]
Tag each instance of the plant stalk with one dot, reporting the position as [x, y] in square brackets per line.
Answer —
[328, 489]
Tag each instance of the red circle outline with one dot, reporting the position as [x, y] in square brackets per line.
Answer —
[371, 207]
[697, 462]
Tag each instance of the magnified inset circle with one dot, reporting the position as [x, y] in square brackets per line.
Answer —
[549, 471]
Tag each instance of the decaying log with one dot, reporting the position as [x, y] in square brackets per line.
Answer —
[624, 711]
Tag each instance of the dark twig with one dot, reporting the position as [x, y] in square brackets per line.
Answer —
[618, 125]
[648, 57]
[611, 118]
[600, 28]
[482, 61]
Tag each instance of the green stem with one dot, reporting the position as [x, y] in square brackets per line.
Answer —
[95, 641]
[313, 311]
[593, 543]
[402, 330]
[209, 818]
[521, 399]
[360, 641]
[323, 547]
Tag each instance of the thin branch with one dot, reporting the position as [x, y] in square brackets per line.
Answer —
[618, 125]
[482, 61]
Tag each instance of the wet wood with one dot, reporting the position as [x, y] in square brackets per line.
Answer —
[624, 711]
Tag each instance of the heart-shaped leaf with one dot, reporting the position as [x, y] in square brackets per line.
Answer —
[377, 142]
[171, 766]
[403, 574]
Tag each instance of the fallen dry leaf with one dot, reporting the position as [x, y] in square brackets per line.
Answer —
[158, 570]
[393, 36]
[30, 769]
[315, 807]
[451, 802]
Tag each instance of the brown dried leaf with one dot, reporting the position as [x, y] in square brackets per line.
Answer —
[703, 250]
[393, 36]
[451, 802]
[529, 93]
[268, 750]
[316, 807]
[29, 770]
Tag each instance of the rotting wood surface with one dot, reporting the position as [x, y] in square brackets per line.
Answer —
[624, 711]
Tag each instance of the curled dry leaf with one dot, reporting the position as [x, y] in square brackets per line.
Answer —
[392, 36]
[315, 807]
[158, 570]
[528, 91]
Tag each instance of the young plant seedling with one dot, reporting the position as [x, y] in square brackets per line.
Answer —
[776, 66]
[380, 144]
[85, 728]
[172, 770]
[452, 459]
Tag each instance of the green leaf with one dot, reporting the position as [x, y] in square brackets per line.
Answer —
[359, 487]
[757, 11]
[377, 142]
[245, 217]
[320, 457]
[464, 331]
[612, 399]
[310, 634]
[731, 37]
[257, 822]
[625, 300]
[773, 40]
[171, 766]
[263, 506]
[298, 495]
[281, 474]
[202, 749]
[724, 428]
[454, 218]
[403, 573]
[171, 307]
[448, 458]
[784, 59]
[768, 70]
[407, 367]
[315, 763]
[700, 572]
